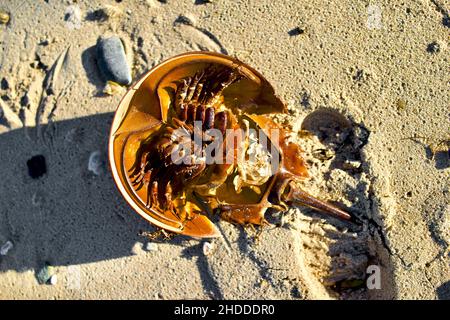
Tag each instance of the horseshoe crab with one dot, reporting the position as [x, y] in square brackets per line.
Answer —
[193, 137]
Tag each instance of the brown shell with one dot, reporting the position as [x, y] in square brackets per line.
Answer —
[146, 106]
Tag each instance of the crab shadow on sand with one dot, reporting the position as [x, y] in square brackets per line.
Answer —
[71, 216]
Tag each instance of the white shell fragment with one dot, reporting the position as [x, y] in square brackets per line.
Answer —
[53, 280]
[137, 248]
[112, 88]
[208, 248]
[5, 248]
[254, 165]
[151, 246]
[352, 164]
[95, 163]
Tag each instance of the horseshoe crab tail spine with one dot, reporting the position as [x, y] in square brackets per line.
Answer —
[297, 195]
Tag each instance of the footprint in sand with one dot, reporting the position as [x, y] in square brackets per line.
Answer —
[8, 118]
[197, 38]
[334, 255]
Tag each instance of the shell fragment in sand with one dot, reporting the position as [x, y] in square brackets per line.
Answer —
[6, 247]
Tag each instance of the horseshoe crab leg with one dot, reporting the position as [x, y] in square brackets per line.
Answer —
[297, 195]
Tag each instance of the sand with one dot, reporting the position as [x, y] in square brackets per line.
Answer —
[375, 72]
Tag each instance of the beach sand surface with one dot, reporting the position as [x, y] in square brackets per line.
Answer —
[368, 79]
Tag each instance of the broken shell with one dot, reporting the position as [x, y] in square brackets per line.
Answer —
[113, 88]
[53, 280]
[323, 154]
[4, 17]
[208, 248]
[44, 274]
[6, 247]
[351, 164]
[95, 163]
[151, 246]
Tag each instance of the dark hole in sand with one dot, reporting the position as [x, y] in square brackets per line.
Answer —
[200, 2]
[296, 32]
[4, 84]
[36, 166]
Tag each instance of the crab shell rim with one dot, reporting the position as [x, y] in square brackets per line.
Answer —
[114, 127]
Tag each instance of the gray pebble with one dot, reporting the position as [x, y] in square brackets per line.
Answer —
[44, 274]
[5, 248]
[112, 60]
[434, 47]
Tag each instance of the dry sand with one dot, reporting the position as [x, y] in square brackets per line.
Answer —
[379, 69]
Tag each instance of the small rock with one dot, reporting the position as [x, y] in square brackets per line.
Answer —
[296, 292]
[361, 75]
[323, 154]
[44, 275]
[137, 248]
[25, 101]
[434, 47]
[4, 17]
[140, 42]
[401, 104]
[44, 42]
[4, 84]
[263, 283]
[296, 31]
[6, 247]
[151, 246]
[53, 280]
[208, 248]
[351, 164]
[112, 60]
[95, 163]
